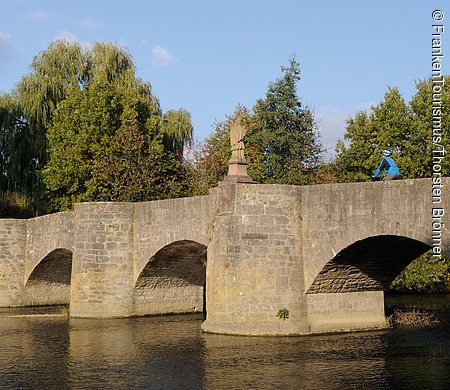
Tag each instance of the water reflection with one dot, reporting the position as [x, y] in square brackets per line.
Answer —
[172, 353]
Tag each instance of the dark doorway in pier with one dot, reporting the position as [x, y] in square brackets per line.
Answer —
[368, 265]
[49, 283]
[173, 280]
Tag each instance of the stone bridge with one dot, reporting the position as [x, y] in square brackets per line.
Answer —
[324, 252]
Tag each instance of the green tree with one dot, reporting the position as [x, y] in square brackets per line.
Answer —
[420, 147]
[282, 144]
[108, 140]
[283, 140]
[178, 131]
[18, 177]
[387, 126]
[406, 129]
[70, 113]
[426, 274]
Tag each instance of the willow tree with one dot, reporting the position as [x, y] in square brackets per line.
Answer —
[177, 128]
[102, 80]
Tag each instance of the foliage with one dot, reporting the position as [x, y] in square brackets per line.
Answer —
[403, 128]
[177, 129]
[74, 112]
[325, 173]
[208, 160]
[283, 314]
[65, 311]
[407, 130]
[15, 147]
[107, 143]
[281, 145]
[12, 205]
[426, 274]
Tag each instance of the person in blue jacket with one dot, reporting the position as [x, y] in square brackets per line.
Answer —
[389, 167]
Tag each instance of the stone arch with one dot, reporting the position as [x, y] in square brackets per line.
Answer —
[173, 280]
[370, 264]
[49, 282]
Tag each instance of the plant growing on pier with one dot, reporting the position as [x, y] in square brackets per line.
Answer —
[283, 314]
[65, 311]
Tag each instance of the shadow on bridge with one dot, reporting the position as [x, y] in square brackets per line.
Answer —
[370, 264]
[173, 280]
[49, 282]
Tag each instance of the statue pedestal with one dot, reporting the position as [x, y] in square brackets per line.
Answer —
[237, 173]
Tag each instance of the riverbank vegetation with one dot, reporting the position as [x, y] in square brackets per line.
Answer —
[82, 127]
[426, 274]
[401, 317]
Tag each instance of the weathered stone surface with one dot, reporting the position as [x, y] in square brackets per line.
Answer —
[254, 263]
[172, 281]
[337, 312]
[337, 216]
[323, 252]
[13, 237]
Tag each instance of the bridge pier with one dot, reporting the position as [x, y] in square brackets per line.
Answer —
[337, 312]
[102, 271]
[254, 262]
[256, 268]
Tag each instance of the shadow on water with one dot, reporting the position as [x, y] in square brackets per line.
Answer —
[171, 352]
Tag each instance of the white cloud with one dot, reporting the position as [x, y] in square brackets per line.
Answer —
[5, 43]
[332, 123]
[363, 106]
[90, 24]
[71, 38]
[39, 15]
[163, 57]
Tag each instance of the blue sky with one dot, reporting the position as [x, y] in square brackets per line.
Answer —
[208, 56]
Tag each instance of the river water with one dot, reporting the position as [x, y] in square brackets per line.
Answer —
[170, 352]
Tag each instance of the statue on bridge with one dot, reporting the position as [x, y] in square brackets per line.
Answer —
[237, 134]
[237, 166]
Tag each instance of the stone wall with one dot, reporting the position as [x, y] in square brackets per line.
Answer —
[337, 312]
[13, 234]
[172, 281]
[49, 283]
[48, 260]
[313, 250]
[163, 222]
[254, 262]
[102, 270]
[337, 216]
[170, 243]
[46, 234]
